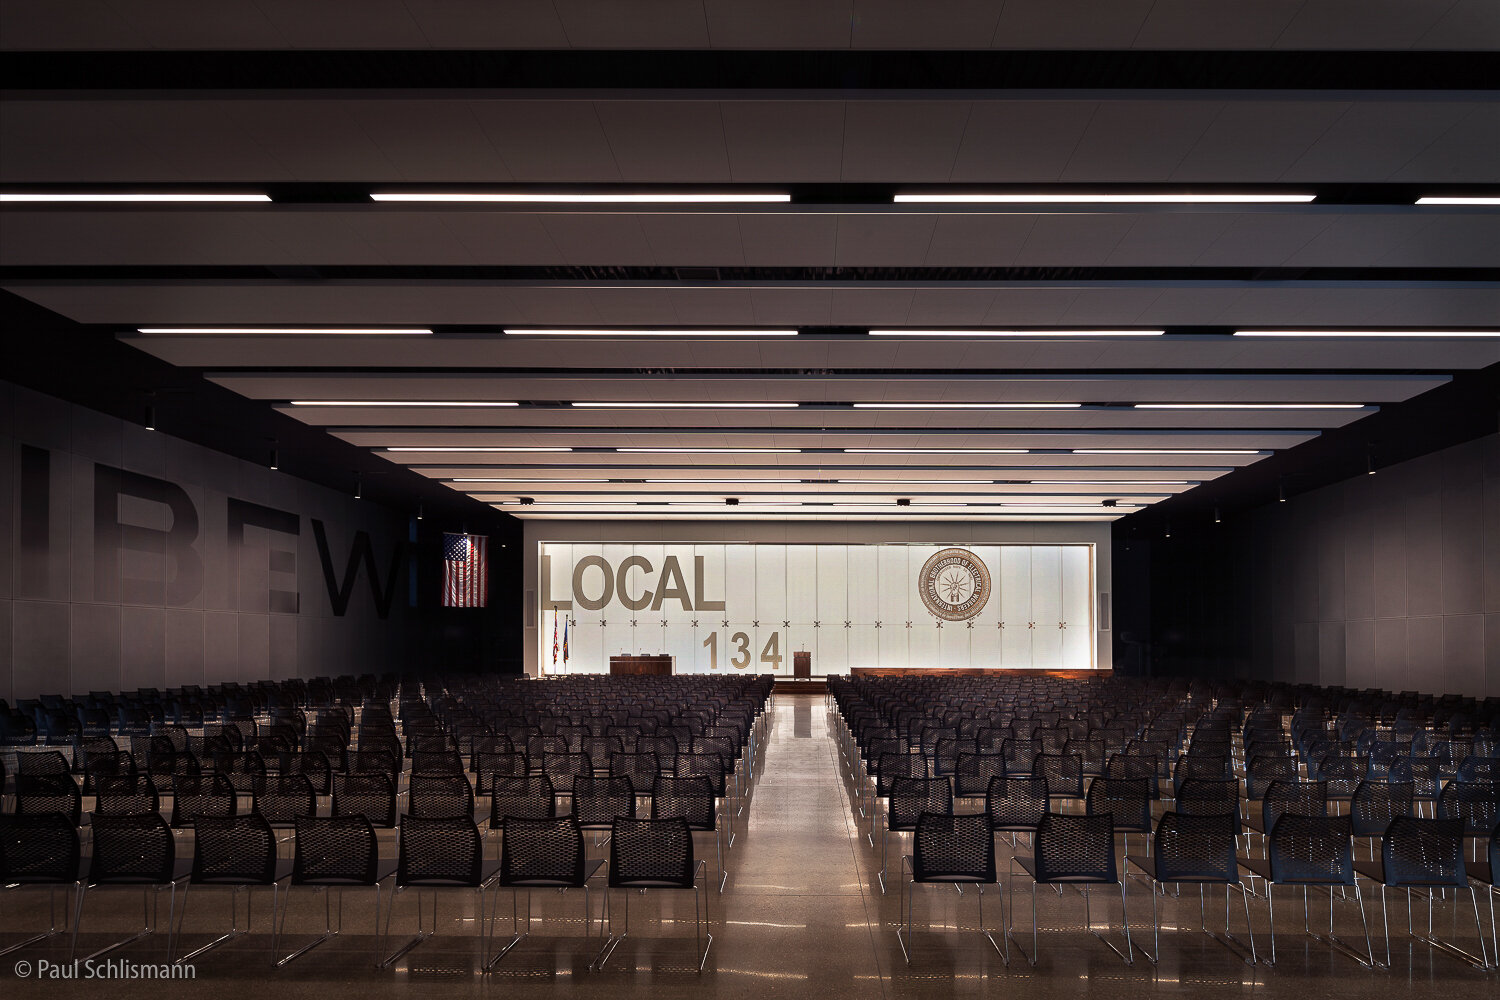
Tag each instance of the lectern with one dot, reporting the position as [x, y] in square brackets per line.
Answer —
[802, 664]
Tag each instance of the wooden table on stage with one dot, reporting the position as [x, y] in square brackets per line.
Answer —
[658, 663]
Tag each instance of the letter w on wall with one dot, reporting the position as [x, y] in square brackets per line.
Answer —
[362, 551]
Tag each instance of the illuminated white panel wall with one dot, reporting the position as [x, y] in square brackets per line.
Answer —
[747, 606]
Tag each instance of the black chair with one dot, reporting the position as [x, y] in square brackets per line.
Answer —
[1311, 851]
[1063, 773]
[599, 801]
[654, 854]
[1476, 803]
[1375, 804]
[545, 854]
[126, 794]
[334, 852]
[693, 801]
[371, 794]
[972, 773]
[237, 853]
[909, 799]
[1209, 797]
[529, 796]
[282, 799]
[132, 852]
[206, 795]
[1487, 873]
[1128, 800]
[440, 796]
[1195, 849]
[1424, 854]
[443, 853]
[1075, 851]
[43, 794]
[950, 850]
[39, 851]
[1016, 805]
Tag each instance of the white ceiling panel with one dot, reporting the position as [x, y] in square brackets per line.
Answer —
[1138, 141]
[666, 141]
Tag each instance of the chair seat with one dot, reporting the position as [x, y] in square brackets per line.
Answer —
[650, 883]
[83, 873]
[383, 871]
[1256, 866]
[1375, 872]
[948, 879]
[1029, 863]
[283, 871]
[182, 868]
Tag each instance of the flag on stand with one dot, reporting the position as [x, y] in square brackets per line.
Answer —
[554, 638]
[565, 642]
[466, 571]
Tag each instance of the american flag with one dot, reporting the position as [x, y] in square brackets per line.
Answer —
[466, 571]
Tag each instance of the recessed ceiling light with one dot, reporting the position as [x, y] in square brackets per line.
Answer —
[709, 451]
[650, 333]
[558, 197]
[1104, 199]
[278, 330]
[1168, 451]
[937, 451]
[1017, 333]
[1442, 334]
[141, 197]
[397, 402]
[468, 448]
[1250, 406]
[1487, 200]
[686, 406]
[967, 406]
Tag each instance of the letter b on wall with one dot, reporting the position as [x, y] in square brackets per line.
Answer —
[135, 560]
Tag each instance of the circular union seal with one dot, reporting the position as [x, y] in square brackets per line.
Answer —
[954, 584]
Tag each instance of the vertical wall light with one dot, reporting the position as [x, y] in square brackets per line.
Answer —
[1281, 491]
[1370, 460]
[150, 421]
[275, 456]
[1217, 518]
[419, 512]
[1168, 532]
[359, 487]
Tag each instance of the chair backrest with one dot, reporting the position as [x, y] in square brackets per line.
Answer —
[282, 798]
[437, 762]
[132, 850]
[542, 852]
[898, 765]
[1264, 769]
[651, 853]
[1091, 752]
[641, 768]
[440, 851]
[335, 850]
[1016, 803]
[204, 795]
[702, 765]
[1128, 799]
[1476, 803]
[1306, 798]
[371, 794]
[1197, 848]
[123, 794]
[1426, 852]
[1062, 771]
[597, 801]
[562, 768]
[1375, 803]
[41, 762]
[911, 797]
[972, 773]
[440, 796]
[1209, 796]
[49, 793]
[1076, 849]
[1311, 850]
[957, 848]
[527, 796]
[233, 850]
[41, 848]
[689, 799]
[1020, 755]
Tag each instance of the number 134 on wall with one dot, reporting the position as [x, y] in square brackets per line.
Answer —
[740, 642]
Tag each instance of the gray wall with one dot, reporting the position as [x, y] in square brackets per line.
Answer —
[130, 558]
[1389, 581]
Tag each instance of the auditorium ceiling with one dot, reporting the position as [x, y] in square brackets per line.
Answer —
[813, 260]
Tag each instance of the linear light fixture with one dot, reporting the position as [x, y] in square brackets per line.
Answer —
[471, 448]
[1016, 333]
[690, 482]
[279, 330]
[1250, 406]
[565, 198]
[1407, 334]
[534, 480]
[1486, 200]
[649, 333]
[143, 197]
[686, 406]
[398, 402]
[937, 451]
[1114, 482]
[967, 406]
[709, 451]
[1105, 199]
[1169, 451]
[916, 482]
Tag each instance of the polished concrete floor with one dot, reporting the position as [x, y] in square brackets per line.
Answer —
[802, 915]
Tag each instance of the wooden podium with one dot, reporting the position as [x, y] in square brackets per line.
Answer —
[801, 664]
[641, 664]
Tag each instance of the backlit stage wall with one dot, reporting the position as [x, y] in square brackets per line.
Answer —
[746, 607]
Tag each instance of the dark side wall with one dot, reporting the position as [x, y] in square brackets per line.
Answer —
[1389, 581]
[130, 558]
